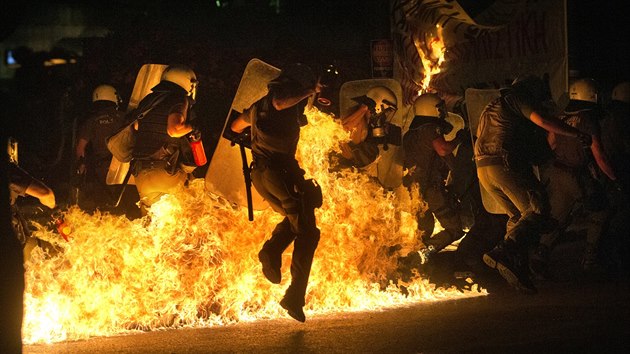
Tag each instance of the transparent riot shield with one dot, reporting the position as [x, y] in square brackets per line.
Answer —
[388, 165]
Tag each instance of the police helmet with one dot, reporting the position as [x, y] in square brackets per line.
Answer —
[182, 76]
[583, 90]
[383, 98]
[621, 92]
[106, 93]
[429, 105]
[296, 74]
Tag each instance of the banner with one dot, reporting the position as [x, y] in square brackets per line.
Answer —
[509, 38]
[382, 58]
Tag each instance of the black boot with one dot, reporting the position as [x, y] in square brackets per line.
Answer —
[271, 265]
[512, 265]
[293, 303]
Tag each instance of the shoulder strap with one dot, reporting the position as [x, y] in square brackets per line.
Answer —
[152, 104]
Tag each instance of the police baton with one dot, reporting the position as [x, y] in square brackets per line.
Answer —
[125, 183]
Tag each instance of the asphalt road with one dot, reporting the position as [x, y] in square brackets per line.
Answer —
[575, 314]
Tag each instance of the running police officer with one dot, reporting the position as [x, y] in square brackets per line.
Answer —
[275, 122]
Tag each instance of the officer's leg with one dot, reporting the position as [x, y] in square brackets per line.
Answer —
[594, 230]
[446, 215]
[492, 179]
[269, 185]
[303, 252]
[281, 237]
[563, 192]
[510, 256]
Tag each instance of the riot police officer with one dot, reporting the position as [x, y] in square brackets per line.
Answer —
[275, 122]
[91, 153]
[427, 156]
[162, 158]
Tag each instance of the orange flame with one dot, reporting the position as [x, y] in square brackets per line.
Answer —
[192, 261]
[432, 53]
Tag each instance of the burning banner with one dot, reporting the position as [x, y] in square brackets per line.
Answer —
[192, 260]
[507, 39]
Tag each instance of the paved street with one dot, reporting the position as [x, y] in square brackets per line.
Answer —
[574, 314]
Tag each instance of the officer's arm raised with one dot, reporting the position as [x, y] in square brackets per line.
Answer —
[554, 125]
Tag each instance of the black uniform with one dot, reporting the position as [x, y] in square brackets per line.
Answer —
[278, 178]
[616, 141]
[103, 120]
[160, 160]
[430, 172]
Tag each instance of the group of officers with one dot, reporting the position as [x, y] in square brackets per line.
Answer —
[535, 163]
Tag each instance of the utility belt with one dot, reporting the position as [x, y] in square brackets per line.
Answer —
[489, 161]
[281, 164]
[307, 190]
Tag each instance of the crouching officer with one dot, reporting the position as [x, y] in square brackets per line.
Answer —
[275, 122]
[427, 155]
[512, 139]
[162, 156]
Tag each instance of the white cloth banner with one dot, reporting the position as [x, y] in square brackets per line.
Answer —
[508, 39]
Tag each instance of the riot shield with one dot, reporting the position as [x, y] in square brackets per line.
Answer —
[476, 101]
[388, 166]
[458, 124]
[148, 76]
[225, 175]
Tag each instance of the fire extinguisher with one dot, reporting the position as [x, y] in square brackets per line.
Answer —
[196, 146]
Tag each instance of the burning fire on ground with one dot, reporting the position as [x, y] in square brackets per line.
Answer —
[193, 261]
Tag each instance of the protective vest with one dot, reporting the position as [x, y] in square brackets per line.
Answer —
[101, 124]
[152, 135]
[275, 134]
[430, 168]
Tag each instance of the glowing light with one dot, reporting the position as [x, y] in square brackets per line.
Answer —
[432, 53]
[192, 261]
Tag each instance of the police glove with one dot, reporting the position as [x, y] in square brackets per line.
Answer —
[444, 127]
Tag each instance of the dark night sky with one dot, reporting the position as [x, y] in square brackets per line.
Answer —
[597, 30]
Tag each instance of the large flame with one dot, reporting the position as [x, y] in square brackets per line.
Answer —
[432, 52]
[192, 261]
